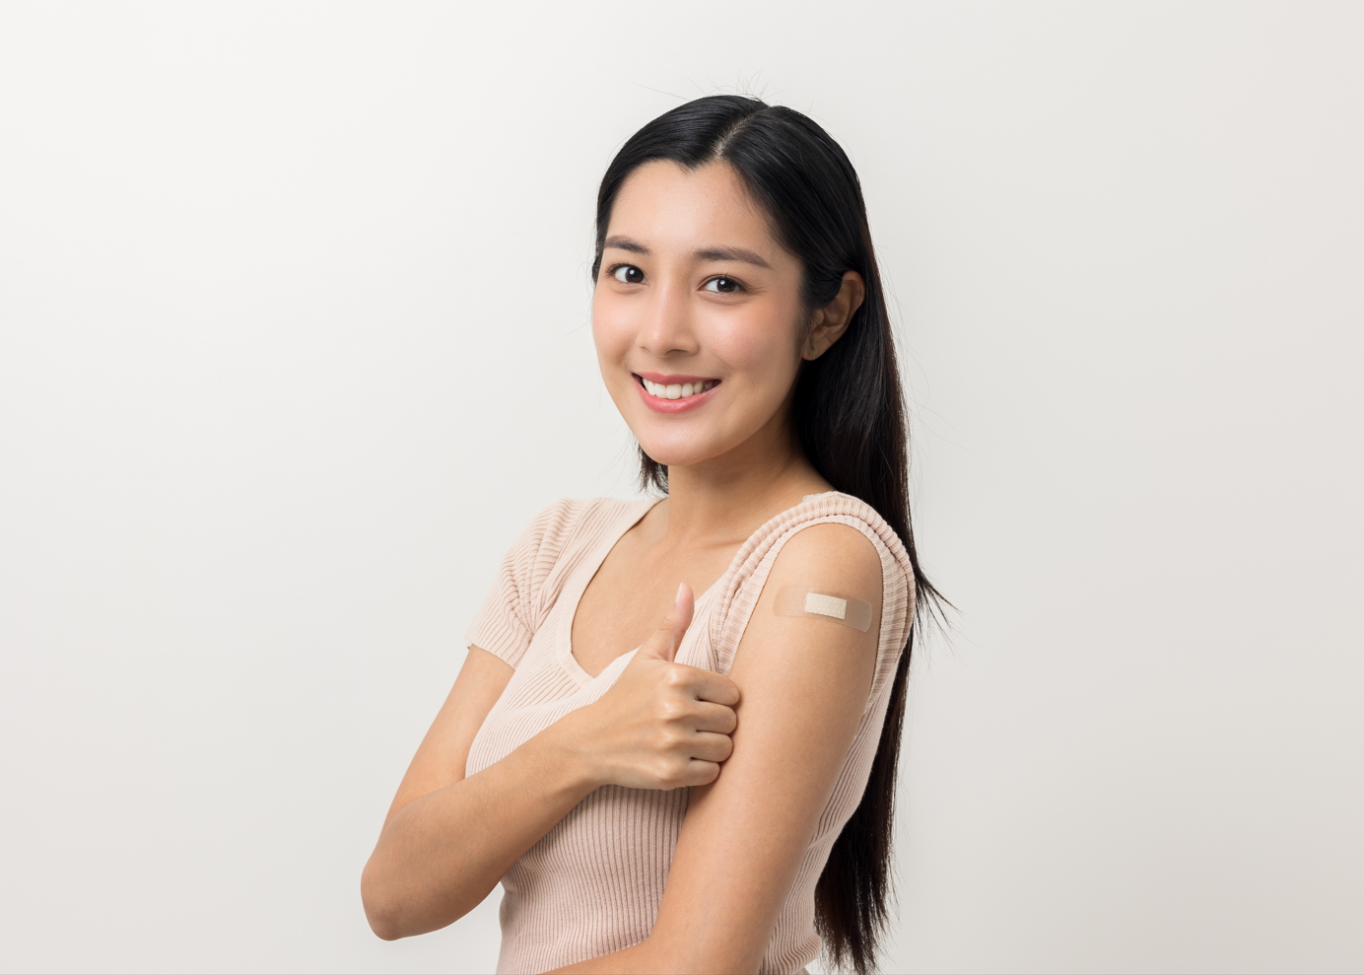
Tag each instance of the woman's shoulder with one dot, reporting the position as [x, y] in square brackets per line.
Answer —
[831, 550]
[859, 540]
[828, 508]
[534, 569]
[567, 526]
[556, 525]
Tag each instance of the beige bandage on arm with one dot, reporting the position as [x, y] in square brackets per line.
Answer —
[847, 610]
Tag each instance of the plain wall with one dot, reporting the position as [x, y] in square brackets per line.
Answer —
[294, 340]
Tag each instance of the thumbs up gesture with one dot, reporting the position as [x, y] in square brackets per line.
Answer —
[662, 725]
[668, 637]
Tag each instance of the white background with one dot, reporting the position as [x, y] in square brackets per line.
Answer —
[293, 341]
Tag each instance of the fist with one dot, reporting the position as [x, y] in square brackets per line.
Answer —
[662, 725]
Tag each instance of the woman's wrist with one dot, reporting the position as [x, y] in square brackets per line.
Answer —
[563, 758]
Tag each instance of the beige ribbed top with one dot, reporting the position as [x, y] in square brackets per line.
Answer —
[593, 884]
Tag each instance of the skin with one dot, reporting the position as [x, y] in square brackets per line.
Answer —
[692, 283]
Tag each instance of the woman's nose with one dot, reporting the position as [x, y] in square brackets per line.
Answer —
[667, 327]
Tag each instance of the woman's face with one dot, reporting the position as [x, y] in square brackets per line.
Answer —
[697, 314]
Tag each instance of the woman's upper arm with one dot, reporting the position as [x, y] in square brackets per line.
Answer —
[441, 757]
[804, 682]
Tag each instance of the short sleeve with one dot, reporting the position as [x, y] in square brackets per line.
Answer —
[516, 605]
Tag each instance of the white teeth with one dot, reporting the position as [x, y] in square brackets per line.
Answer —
[676, 390]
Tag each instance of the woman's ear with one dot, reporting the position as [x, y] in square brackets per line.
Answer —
[833, 319]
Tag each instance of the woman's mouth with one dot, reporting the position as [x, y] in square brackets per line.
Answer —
[674, 394]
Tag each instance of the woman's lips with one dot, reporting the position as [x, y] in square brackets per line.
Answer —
[674, 394]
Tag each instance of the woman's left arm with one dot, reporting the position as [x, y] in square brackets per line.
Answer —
[804, 683]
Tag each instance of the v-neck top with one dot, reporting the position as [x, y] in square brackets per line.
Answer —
[592, 885]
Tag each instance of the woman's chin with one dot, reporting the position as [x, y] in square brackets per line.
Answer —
[670, 459]
[675, 455]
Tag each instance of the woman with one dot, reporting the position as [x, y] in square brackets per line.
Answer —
[712, 792]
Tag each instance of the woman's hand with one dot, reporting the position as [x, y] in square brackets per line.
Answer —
[662, 725]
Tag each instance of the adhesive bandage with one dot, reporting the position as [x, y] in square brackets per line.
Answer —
[840, 609]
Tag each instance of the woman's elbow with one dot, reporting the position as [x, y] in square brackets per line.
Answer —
[396, 910]
[381, 911]
[384, 928]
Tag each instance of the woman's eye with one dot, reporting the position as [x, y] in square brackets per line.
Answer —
[628, 274]
[723, 285]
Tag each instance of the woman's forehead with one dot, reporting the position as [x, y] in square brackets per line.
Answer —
[665, 206]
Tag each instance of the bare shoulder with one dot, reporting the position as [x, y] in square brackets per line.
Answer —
[829, 556]
[833, 559]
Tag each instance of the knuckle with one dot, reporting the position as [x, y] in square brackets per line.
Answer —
[666, 771]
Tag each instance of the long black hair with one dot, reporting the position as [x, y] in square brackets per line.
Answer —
[849, 413]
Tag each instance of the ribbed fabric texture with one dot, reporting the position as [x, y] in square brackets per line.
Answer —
[593, 884]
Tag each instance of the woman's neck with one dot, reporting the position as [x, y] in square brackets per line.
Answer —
[727, 498]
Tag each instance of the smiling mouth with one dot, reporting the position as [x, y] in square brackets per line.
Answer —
[676, 390]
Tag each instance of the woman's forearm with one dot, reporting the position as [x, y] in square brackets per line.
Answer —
[440, 855]
[661, 725]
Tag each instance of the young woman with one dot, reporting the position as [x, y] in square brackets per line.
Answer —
[712, 792]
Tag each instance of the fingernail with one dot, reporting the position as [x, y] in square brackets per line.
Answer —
[678, 596]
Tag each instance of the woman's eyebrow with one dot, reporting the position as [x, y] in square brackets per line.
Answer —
[706, 254]
[625, 244]
[732, 254]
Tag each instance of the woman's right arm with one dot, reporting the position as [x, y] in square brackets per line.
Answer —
[448, 840]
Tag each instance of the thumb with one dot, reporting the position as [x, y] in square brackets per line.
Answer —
[668, 637]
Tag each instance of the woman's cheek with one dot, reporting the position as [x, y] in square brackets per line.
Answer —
[764, 351]
[610, 335]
